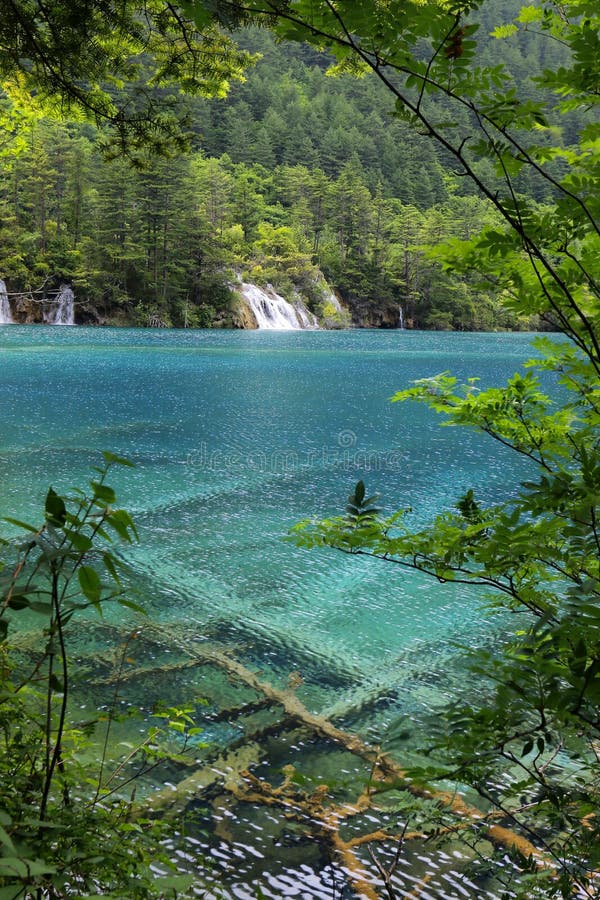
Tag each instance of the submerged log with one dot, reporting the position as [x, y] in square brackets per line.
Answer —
[131, 674]
[294, 708]
[235, 760]
[323, 820]
[227, 768]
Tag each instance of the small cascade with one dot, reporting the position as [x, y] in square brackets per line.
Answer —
[400, 317]
[332, 300]
[5, 313]
[305, 317]
[334, 314]
[272, 311]
[61, 310]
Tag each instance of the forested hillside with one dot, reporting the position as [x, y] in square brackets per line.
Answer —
[295, 173]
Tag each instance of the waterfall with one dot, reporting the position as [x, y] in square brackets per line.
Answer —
[5, 313]
[272, 311]
[62, 308]
[305, 317]
[332, 300]
[400, 317]
[334, 314]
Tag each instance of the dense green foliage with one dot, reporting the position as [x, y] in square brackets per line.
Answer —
[117, 64]
[357, 190]
[168, 239]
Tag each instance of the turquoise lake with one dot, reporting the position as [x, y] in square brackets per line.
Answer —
[236, 436]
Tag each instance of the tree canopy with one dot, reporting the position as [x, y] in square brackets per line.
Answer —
[116, 63]
[425, 52]
[362, 191]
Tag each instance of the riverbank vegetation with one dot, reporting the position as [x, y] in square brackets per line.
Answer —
[292, 173]
[68, 821]
[169, 240]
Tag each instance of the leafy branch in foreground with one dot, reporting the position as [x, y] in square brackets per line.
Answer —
[119, 64]
[66, 824]
[532, 749]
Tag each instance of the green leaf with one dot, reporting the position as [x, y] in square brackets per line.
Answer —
[6, 840]
[103, 492]
[359, 494]
[109, 564]
[530, 14]
[11, 893]
[20, 524]
[130, 604]
[121, 522]
[113, 459]
[89, 582]
[80, 542]
[56, 684]
[43, 608]
[55, 509]
[13, 866]
[504, 31]
[18, 601]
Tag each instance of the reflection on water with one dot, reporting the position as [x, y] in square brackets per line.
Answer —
[235, 437]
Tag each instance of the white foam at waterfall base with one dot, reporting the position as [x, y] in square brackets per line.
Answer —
[5, 313]
[62, 310]
[271, 310]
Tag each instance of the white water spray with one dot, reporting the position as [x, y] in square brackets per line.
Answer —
[273, 311]
[62, 309]
[5, 313]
